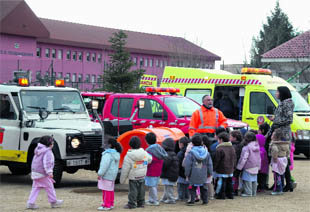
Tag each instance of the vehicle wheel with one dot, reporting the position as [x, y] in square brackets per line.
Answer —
[71, 170]
[57, 172]
[19, 169]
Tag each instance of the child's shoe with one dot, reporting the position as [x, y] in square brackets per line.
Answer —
[57, 204]
[169, 202]
[129, 207]
[152, 203]
[246, 195]
[276, 193]
[190, 203]
[101, 208]
[32, 206]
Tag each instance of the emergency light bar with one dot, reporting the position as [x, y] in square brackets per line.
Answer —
[256, 71]
[23, 82]
[59, 83]
[158, 90]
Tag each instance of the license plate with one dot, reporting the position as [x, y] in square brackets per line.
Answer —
[78, 162]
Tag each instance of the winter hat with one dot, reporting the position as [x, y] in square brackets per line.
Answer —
[168, 144]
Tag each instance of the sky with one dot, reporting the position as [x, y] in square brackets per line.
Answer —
[224, 27]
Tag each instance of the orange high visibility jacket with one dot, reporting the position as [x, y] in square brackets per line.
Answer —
[206, 121]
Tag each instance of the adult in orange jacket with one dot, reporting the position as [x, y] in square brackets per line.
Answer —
[207, 118]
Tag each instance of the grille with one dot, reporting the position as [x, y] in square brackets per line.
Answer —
[92, 142]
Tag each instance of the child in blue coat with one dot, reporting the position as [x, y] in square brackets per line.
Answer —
[107, 173]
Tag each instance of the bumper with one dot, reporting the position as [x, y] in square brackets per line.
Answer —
[302, 146]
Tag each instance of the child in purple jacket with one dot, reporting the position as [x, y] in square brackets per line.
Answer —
[249, 163]
[154, 168]
[264, 169]
[42, 173]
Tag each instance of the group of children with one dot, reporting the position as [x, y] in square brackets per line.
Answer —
[201, 168]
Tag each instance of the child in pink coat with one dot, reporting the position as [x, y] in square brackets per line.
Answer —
[42, 173]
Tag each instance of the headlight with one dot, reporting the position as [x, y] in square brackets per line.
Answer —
[75, 142]
[303, 134]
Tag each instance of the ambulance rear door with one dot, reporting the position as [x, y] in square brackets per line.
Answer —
[257, 104]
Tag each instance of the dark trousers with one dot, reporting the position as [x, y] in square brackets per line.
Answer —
[225, 189]
[136, 195]
[287, 174]
[183, 192]
[203, 193]
[261, 180]
[278, 182]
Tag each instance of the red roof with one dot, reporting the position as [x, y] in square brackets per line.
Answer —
[88, 36]
[298, 47]
[17, 18]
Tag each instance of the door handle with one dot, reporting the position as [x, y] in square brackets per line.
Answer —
[249, 118]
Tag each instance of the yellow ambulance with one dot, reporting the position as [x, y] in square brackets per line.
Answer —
[148, 81]
[249, 97]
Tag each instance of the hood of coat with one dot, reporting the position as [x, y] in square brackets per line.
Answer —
[114, 154]
[136, 154]
[261, 140]
[168, 144]
[199, 152]
[254, 146]
[41, 148]
[224, 144]
[157, 151]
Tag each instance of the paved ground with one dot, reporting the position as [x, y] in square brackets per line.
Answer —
[80, 194]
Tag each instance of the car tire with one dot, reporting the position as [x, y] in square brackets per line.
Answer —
[57, 172]
[19, 169]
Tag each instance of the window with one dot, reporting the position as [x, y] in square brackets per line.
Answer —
[87, 56]
[166, 62]
[161, 63]
[68, 55]
[197, 94]
[87, 78]
[47, 73]
[156, 63]
[99, 78]
[80, 78]
[47, 52]
[93, 57]
[53, 53]
[38, 52]
[80, 54]
[135, 61]
[93, 78]
[141, 62]
[59, 75]
[259, 102]
[145, 62]
[6, 108]
[68, 75]
[152, 110]
[73, 77]
[123, 109]
[60, 54]
[151, 62]
[99, 58]
[74, 55]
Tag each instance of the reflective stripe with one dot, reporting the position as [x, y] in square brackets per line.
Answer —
[202, 123]
[191, 128]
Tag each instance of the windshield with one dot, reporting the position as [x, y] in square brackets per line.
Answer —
[53, 101]
[181, 107]
[300, 103]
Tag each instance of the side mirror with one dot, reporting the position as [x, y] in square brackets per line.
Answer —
[270, 110]
[159, 115]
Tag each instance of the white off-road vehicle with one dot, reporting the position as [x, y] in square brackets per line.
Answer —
[27, 113]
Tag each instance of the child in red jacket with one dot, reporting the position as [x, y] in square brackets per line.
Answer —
[154, 168]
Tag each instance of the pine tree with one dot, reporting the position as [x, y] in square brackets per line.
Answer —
[118, 77]
[276, 31]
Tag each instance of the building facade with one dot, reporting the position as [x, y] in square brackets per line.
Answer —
[79, 53]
